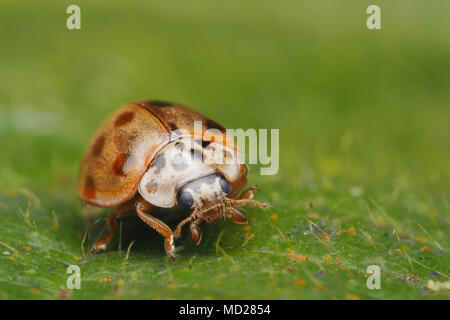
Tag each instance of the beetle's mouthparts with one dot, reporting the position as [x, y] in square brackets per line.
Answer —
[225, 209]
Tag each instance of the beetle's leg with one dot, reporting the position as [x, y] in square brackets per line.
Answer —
[235, 215]
[121, 211]
[159, 226]
[247, 193]
[177, 231]
[246, 197]
[111, 222]
[240, 202]
[194, 214]
[196, 232]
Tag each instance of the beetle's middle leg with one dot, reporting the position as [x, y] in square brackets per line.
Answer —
[123, 210]
[159, 226]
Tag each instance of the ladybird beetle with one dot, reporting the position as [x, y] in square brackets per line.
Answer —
[147, 156]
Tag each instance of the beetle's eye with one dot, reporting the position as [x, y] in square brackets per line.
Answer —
[185, 200]
[225, 185]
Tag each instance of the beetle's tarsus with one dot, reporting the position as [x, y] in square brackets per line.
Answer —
[196, 233]
[96, 248]
[240, 202]
[235, 215]
[170, 247]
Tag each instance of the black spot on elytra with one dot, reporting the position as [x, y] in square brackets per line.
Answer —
[124, 118]
[211, 124]
[89, 190]
[119, 163]
[159, 163]
[197, 155]
[159, 103]
[98, 146]
[172, 126]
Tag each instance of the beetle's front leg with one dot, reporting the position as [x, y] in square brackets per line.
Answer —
[246, 197]
[236, 216]
[159, 226]
[177, 231]
[196, 232]
[248, 193]
[240, 202]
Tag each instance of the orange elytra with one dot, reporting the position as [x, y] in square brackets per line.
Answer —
[150, 155]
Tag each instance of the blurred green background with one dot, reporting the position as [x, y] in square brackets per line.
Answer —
[364, 144]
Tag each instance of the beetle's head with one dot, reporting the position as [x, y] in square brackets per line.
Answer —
[204, 192]
[208, 198]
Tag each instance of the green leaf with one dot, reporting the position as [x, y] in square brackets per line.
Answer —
[363, 171]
